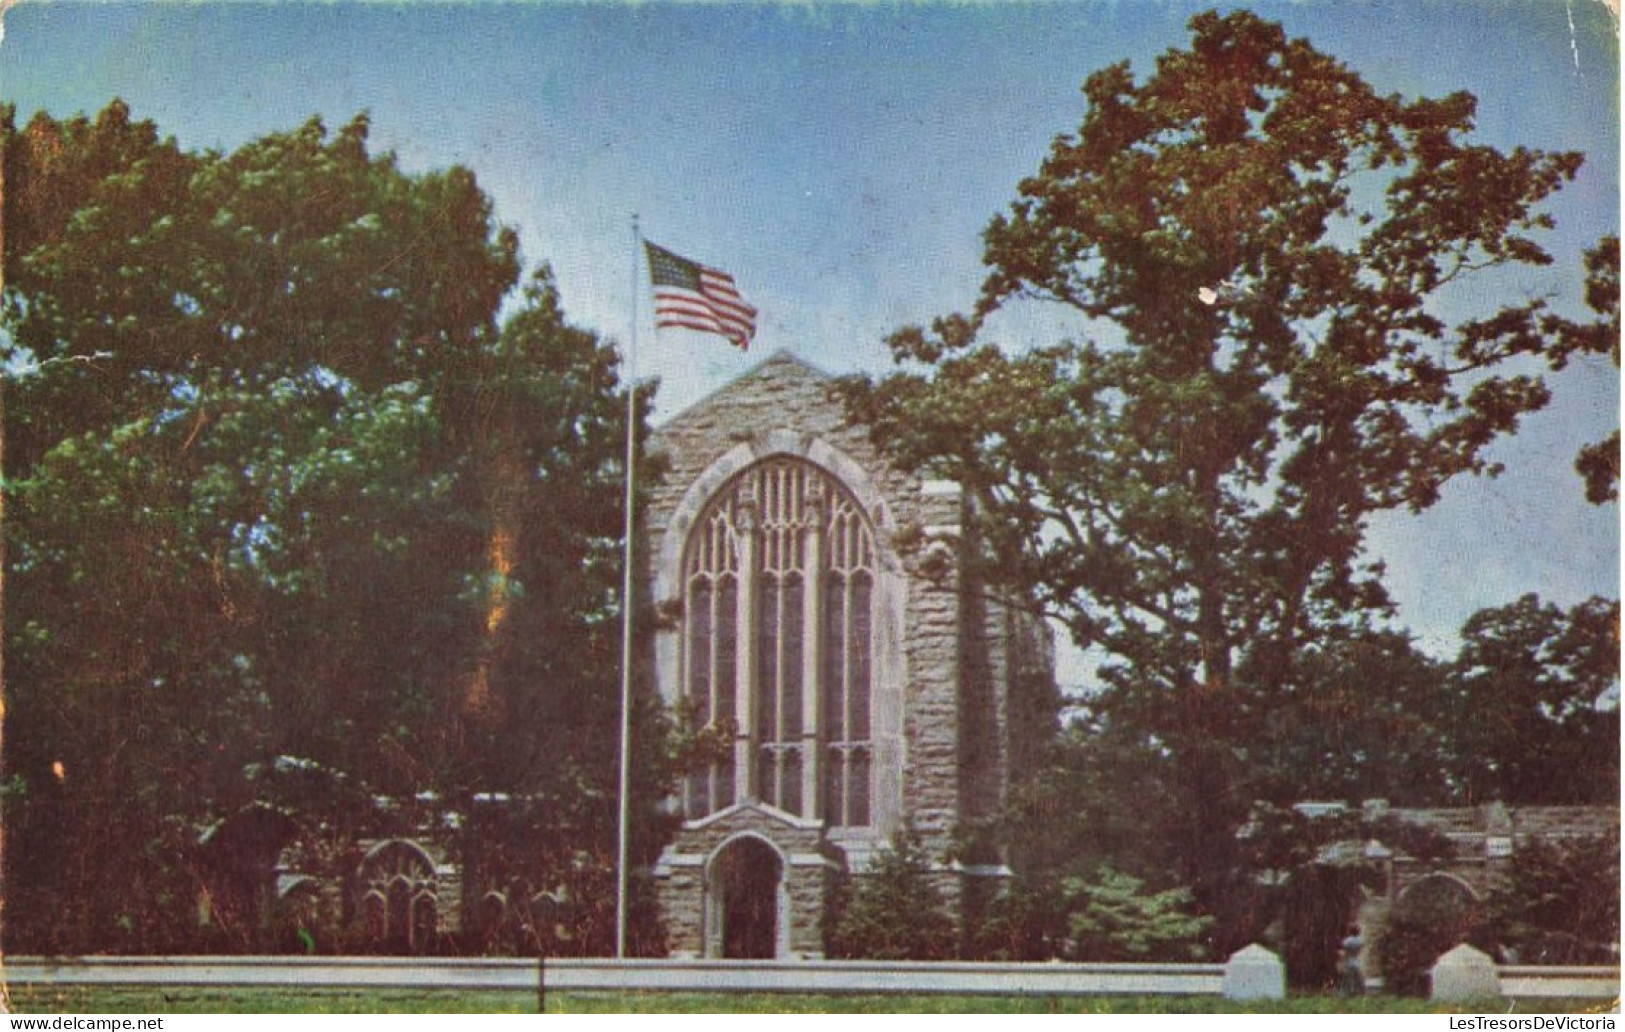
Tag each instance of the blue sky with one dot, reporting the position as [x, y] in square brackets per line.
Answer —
[841, 161]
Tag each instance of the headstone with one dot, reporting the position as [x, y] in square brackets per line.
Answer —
[1254, 973]
[1465, 973]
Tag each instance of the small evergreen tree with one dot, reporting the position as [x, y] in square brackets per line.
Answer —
[1112, 919]
[895, 912]
[1023, 923]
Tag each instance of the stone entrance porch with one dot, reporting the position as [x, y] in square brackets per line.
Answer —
[746, 882]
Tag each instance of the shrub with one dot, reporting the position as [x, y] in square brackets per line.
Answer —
[1560, 904]
[894, 911]
[1112, 919]
[1025, 922]
[1407, 950]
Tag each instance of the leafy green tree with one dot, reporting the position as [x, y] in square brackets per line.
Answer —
[1022, 923]
[1598, 464]
[264, 433]
[547, 432]
[546, 423]
[1252, 244]
[1096, 799]
[1099, 797]
[1535, 706]
[895, 912]
[1104, 915]
[1365, 721]
[1411, 943]
[1560, 902]
[297, 252]
[1369, 724]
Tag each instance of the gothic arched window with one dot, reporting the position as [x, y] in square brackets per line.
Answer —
[778, 583]
[400, 897]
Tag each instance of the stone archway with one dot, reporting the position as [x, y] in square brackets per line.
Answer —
[745, 889]
[1443, 901]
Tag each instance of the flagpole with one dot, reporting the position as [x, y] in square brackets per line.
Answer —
[627, 603]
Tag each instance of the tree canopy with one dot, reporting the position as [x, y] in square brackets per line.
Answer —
[1534, 704]
[287, 481]
[1598, 463]
[1265, 260]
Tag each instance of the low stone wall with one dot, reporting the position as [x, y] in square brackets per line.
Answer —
[1464, 974]
[1253, 973]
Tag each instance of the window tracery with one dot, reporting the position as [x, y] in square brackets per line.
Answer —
[778, 626]
[400, 897]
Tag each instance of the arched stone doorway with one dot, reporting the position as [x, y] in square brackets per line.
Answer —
[746, 900]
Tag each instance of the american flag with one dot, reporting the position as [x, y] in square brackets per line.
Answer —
[698, 297]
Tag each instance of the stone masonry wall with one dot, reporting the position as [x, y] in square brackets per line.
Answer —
[1487, 838]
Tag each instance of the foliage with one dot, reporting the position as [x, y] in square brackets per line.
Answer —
[1103, 797]
[1025, 922]
[894, 911]
[1407, 950]
[1431, 916]
[283, 487]
[1598, 464]
[1096, 800]
[1254, 244]
[1364, 722]
[1303, 876]
[545, 877]
[1279, 839]
[1318, 905]
[1107, 915]
[1560, 904]
[1097, 797]
[1534, 704]
[1111, 918]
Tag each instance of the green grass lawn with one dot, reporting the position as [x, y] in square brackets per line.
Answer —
[107, 1000]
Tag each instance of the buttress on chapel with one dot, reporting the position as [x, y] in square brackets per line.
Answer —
[821, 615]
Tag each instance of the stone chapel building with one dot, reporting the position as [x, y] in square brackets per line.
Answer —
[815, 608]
